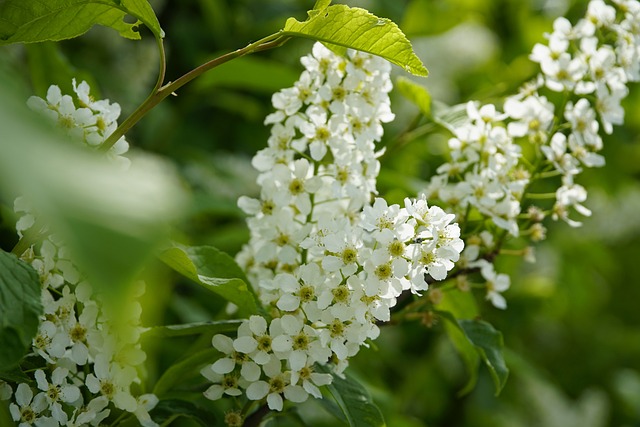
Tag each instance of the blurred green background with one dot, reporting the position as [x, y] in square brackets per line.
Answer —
[572, 329]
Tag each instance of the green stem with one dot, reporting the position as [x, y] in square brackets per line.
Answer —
[161, 92]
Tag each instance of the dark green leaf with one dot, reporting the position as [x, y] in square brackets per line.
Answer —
[20, 308]
[465, 349]
[354, 401]
[35, 21]
[168, 410]
[191, 329]
[355, 28]
[417, 94]
[216, 271]
[184, 369]
[489, 344]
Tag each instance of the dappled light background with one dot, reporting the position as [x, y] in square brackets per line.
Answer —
[572, 327]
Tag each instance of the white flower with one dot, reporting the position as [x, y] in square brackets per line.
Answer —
[93, 413]
[146, 402]
[28, 410]
[496, 284]
[534, 114]
[277, 385]
[229, 384]
[57, 391]
[113, 382]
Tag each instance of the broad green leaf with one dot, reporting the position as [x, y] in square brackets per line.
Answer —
[28, 21]
[489, 344]
[215, 271]
[20, 308]
[354, 401]
[184, 369]
[465, 349]
[355, 28]
[417, 94]
[143, 11]
[171, 409]
[462, 305]
[197, 328]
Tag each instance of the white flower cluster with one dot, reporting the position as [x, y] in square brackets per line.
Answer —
[85, 359]
[86, 120]
[328, 263]
[488, 177]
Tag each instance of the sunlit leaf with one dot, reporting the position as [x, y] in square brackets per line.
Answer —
[215, 271]
[355, 28]
[417, 94]
[20, 308]
[354, 401]
[28, 21]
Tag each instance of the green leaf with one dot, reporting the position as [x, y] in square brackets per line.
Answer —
[355, 28]
[489, 344]
[354, 401]
[20, 308]
[171, 409]
[462, 305]
[196, 328]
[184, 369]
[215, 271]
[29, 21]
[465, 349]
[321, 4]
[417, 94]
[143, 11]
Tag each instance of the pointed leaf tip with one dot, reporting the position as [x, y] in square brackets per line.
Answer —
[356, 28]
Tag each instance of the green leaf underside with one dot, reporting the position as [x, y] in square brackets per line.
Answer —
[417, 94]
[196, 328]
[488, 341]
[354, 401]
[355, 28]
[215, 271]
[20, 309]
[53, 20]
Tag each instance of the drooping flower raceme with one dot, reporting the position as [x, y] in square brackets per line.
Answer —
[87, 359]
[488, 177]
[327, 262]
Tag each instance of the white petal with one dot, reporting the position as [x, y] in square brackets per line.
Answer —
[223, 366]
[275, 402]
[214, 392]
[257, 390]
